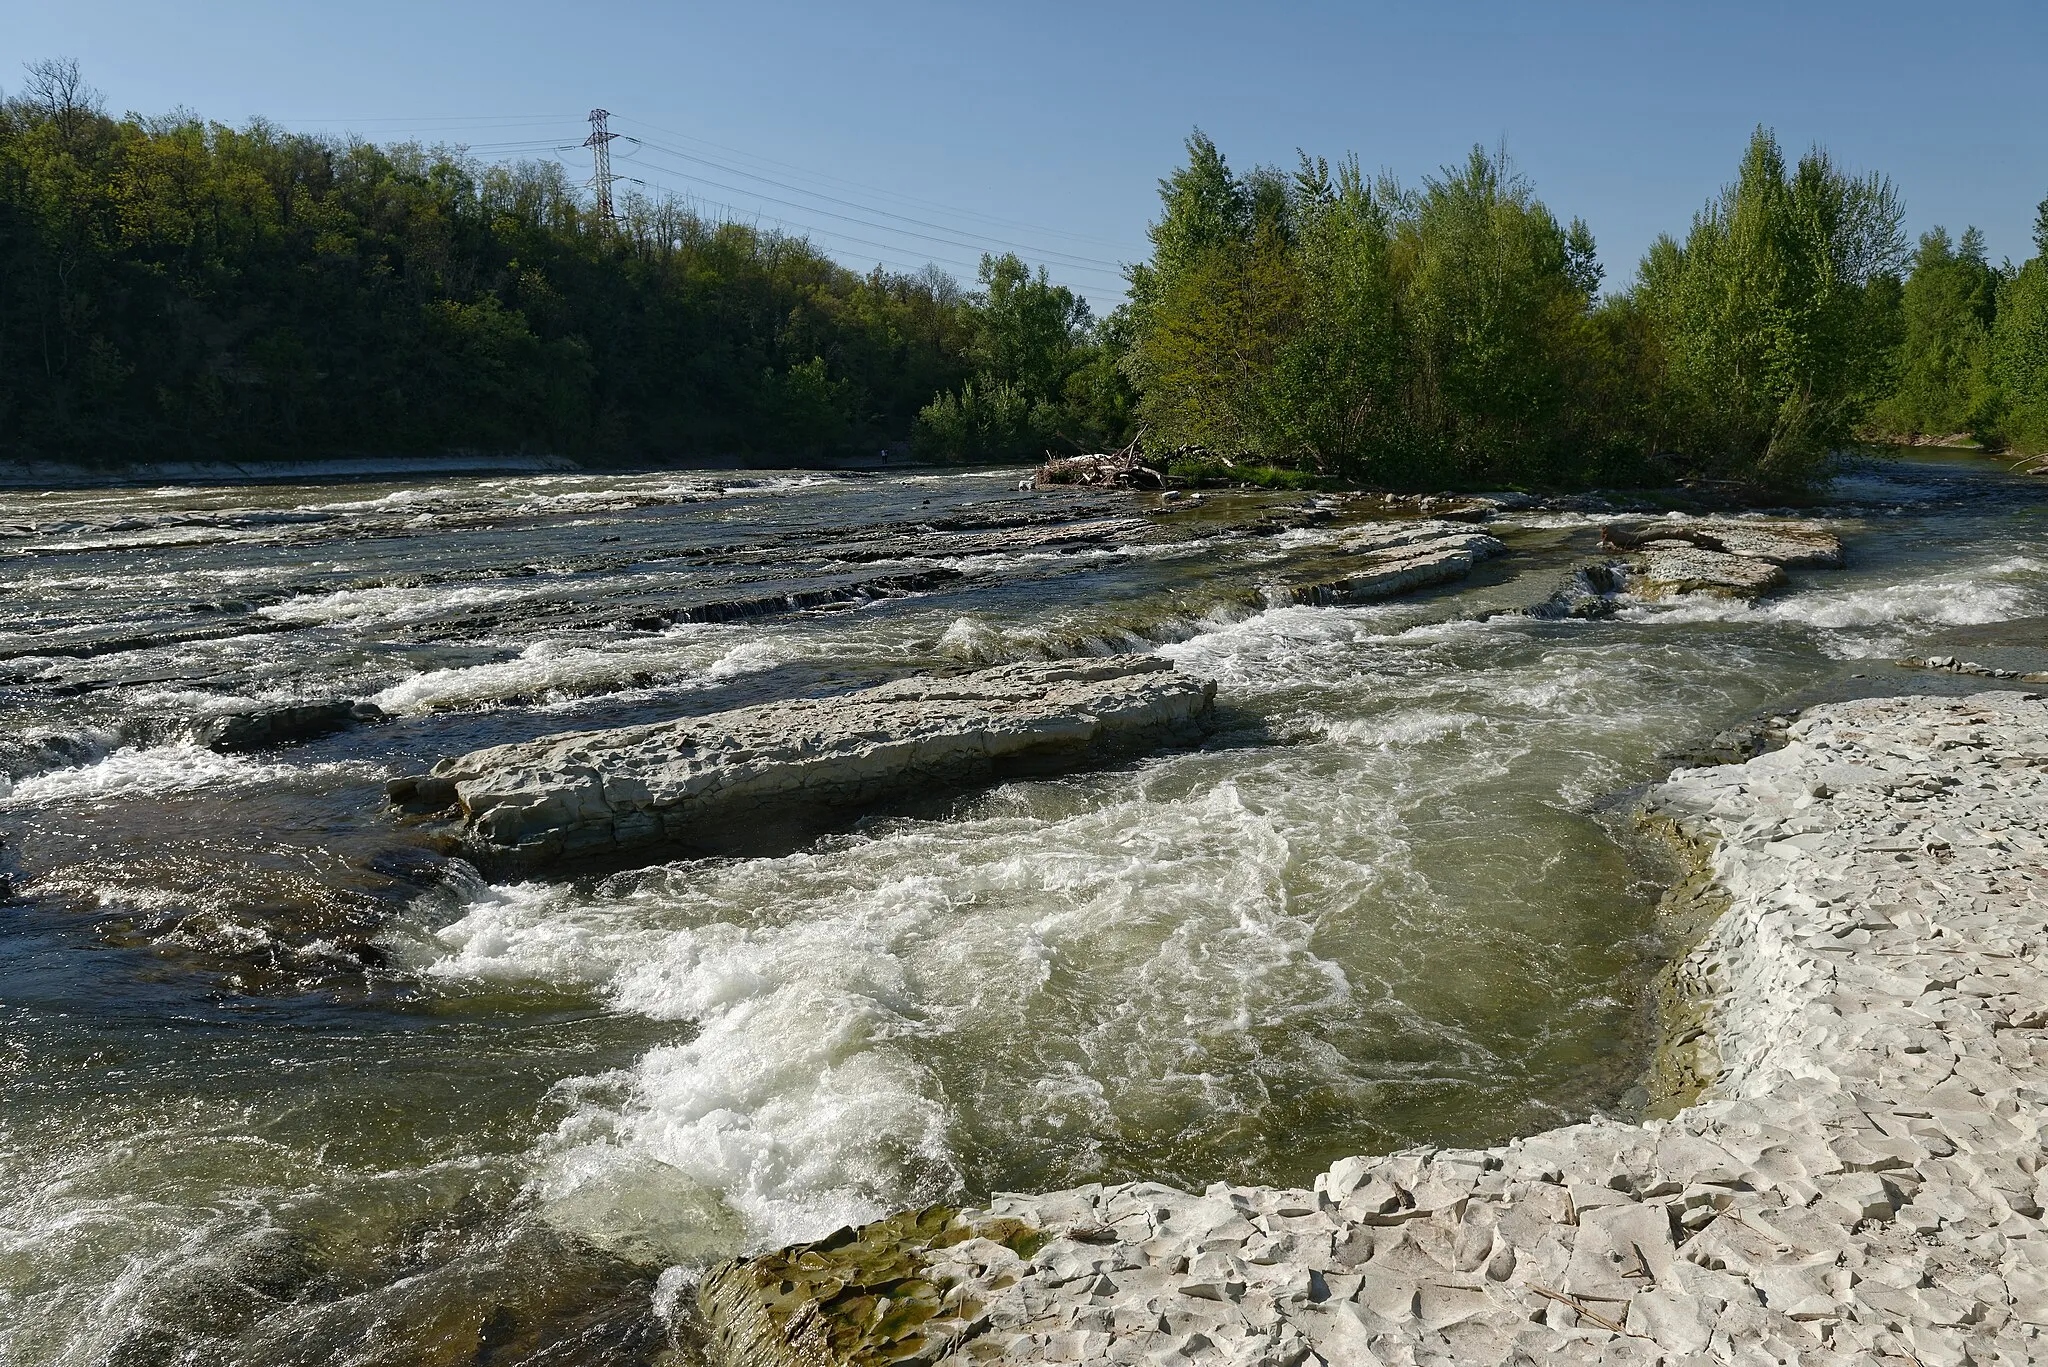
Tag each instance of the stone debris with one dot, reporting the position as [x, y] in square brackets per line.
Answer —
[1385, 559]
[1734, 558]
[1863, 1181]
[726, 780]
[1952, 665]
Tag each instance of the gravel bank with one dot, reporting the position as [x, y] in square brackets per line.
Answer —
[1862, 1182]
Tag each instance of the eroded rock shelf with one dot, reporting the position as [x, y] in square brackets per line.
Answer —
[1862, 1182]
[722, 781]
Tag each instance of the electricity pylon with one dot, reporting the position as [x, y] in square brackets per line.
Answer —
[600, 144]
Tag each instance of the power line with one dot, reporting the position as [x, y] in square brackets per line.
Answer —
[438, 120]
[940, 234]
[1070, 263]
[873, 189]
[1073, 257]
[799, 228]
[807, 230]
[463, 122]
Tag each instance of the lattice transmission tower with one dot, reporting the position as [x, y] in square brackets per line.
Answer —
[600, 144]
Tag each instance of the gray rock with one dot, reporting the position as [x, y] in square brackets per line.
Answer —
[1591, 592]
[1783, 542]
[1393, 558]
[735, 778]
[260, 728]
[1670, 567]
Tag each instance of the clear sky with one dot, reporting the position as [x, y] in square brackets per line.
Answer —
[908, 132]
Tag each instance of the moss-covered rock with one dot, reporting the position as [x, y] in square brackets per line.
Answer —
[879, 1294]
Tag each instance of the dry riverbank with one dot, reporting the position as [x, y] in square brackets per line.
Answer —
[1859, 1184]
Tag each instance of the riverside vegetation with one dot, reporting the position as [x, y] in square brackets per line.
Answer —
[172, 286]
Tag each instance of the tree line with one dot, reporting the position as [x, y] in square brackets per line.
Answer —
[170, 286]
[1455, 331]
[175, 287]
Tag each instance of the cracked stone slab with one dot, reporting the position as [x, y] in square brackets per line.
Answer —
[1862, 1182]
[703, 783]
[1784, 542]
[1387, 559]
[1735, 558]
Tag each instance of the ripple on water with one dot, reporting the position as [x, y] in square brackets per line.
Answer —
[1217, 964]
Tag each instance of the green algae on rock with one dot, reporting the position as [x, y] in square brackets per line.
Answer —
[874, 1296]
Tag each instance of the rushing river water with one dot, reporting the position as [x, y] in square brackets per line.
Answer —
[280, 1083]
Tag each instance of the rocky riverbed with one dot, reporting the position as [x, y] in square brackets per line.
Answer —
[293, 1074]
[1861, 1182]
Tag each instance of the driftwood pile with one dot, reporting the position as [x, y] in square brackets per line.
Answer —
[1125, 469]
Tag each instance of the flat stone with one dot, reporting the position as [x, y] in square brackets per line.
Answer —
[1791, 544]
[1666, 568]
[260, 728]
[734, 779]
[1387, 559]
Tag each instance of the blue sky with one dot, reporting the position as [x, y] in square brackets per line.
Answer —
[908, 131]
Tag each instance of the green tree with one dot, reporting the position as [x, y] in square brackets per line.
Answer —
[2019, 352]
[1341, 377]
[172, 286]
[1499, 295]
[1948, 304]
[1774, 321]
[1042, 377]
[1363, 331]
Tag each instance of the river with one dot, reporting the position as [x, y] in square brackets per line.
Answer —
[280, 1082]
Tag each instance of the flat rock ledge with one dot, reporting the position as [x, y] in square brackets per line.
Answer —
[1386, 559]
[725, 780]
[1726, 556]
[1862, 1181]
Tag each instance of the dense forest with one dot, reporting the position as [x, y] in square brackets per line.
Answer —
[172, 287]
[1456, 331]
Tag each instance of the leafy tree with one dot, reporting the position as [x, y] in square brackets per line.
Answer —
[1342, 376]
[1773, 318]
[1367, 332]
[170, 286]
[2019, 356]
[1497, 291]
[1040, 376]
[1943, 367]
[1025, 331]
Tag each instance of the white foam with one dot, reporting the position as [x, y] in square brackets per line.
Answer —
[1863, 621]
[562, 672]
[390, 605]
[831, 992]
[161, 770]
